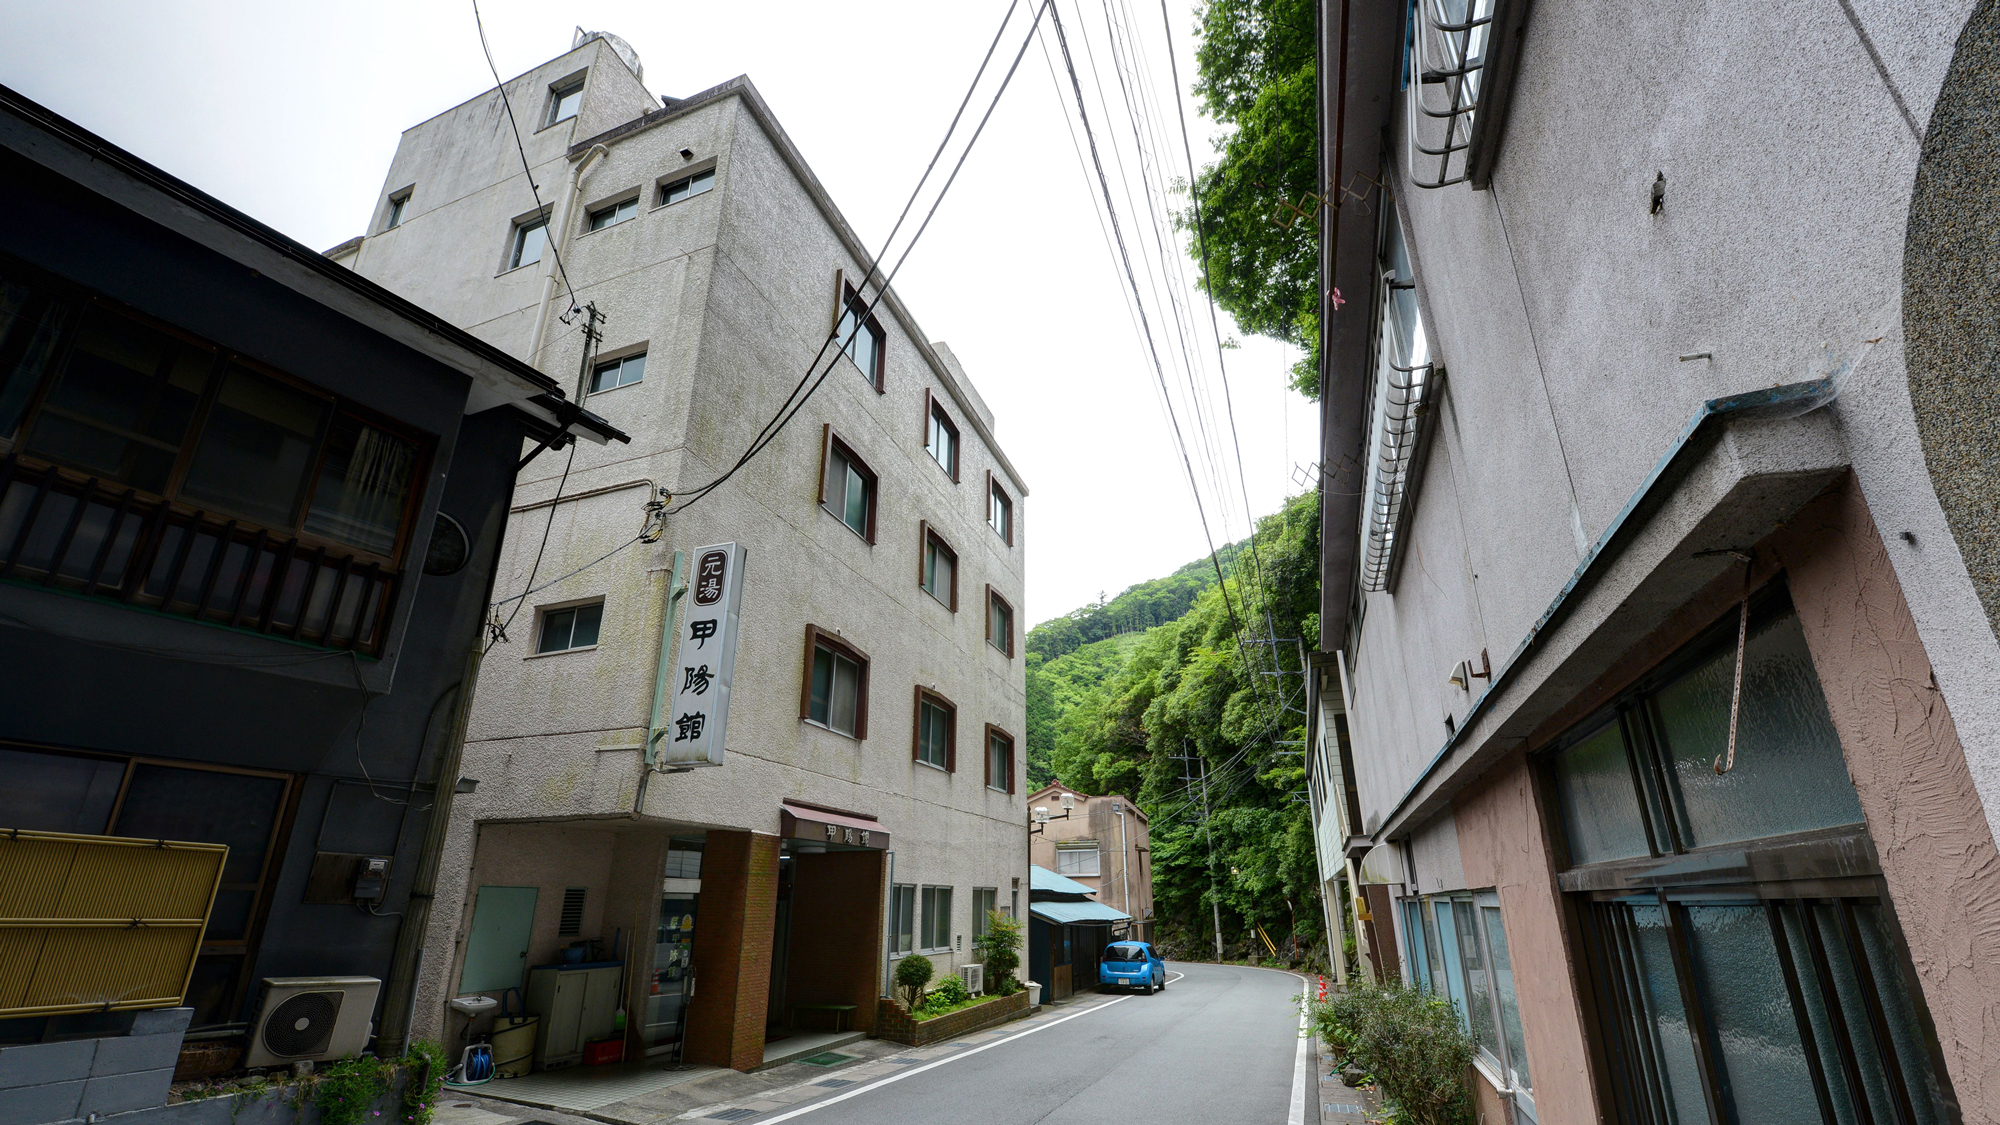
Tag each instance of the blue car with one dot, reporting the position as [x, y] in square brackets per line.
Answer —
[1132, 964]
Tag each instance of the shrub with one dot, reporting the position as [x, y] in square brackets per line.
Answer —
[949, 993]
[1410, 1041]
[999, 950]
[427, 1067]
[912, 974]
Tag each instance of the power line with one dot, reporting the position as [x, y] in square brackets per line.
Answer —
[523, 150]
[790, 409]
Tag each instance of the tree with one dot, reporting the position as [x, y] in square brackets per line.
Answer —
[1256, 72]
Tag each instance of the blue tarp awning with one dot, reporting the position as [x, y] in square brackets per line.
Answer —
[1042, 881]
[1063, 913]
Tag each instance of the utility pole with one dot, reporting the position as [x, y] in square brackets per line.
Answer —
[591, 319]
[1214, 892]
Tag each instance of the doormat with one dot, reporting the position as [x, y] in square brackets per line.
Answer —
[830, 1058]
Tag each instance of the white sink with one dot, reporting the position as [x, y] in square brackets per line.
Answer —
[473, 1005]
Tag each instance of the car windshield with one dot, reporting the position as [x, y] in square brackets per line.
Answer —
[1125, 951]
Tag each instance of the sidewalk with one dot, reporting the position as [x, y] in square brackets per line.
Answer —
[702, 1095]
[1339, 1103]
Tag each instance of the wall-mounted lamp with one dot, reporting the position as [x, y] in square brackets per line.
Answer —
[1042, 817]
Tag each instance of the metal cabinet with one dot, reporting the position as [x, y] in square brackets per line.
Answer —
[577, 1003]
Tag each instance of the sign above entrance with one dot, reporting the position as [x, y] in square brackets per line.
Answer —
[707, 660]
[825, 826]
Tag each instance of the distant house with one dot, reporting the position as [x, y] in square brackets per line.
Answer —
[1067, 932]
[250, 505]
[1104, 844]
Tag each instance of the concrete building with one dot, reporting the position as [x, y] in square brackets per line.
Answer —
[1100, 842]
[251, 509]
[868, 804]
[1658, 611]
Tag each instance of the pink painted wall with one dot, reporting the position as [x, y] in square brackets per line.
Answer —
[1502, 845]
[1909, 768]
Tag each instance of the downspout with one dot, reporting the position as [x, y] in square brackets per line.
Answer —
[1124, 865]
[562, 232]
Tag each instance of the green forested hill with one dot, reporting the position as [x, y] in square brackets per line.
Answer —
[1140, 709]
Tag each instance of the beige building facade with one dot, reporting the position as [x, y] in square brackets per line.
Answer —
[869, 803]
[1103, 843]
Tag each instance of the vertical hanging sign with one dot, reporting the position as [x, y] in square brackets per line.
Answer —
[695, 734]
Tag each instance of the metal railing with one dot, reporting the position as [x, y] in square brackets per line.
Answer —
[1448, 50]
[103, 542]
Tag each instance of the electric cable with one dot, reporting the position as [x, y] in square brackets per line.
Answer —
[794, 402]
[526, 171]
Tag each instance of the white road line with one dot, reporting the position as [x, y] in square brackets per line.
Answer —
[1174, 977]
[913, 1071]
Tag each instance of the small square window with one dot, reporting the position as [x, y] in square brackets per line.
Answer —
[937, 568]
[530, 239]
[847, 489]
[574, 627]
[614, 214]
[999, 759]
[859, 336]
[563, 102]
[685, 187]
[999, 510]
[397, 204]
[937, 721]
[999, 622]
[618, 373]
[941, 438]
[1077, 858]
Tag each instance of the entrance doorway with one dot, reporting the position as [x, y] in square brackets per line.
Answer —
[673, 948]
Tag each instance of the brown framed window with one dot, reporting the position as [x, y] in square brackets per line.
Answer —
[940, 435]
[999, 622]
[835, 692]
[847, 485]
[937, 566]
[999, 509]
[858, 334]
[934, 741]
[160, 469]
[999, 759]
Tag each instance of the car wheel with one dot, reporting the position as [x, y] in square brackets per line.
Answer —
[1163, 982]
[1149, 986]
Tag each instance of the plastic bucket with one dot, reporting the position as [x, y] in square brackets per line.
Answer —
[513, 1045]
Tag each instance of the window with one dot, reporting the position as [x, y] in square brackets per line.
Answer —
[575, 627]
[1077, 857]
[859, 335]
[201, 483]
[999, 759]
[999, 510]
[1458, 949]
[685, 187]
[614, 214]
[618, 373]
[530, 238]
[985, 900]
[570, 922]
[1762, 978]
[836, 688]
[935, 735]
[397, 203]
[564, 99]
[937, 918]
[940, 436]
[999, 622]
[902, 918]
[847, 487]
[937, 567]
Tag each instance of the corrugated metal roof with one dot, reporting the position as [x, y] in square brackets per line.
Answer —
[1064, 912]
[1043, 881]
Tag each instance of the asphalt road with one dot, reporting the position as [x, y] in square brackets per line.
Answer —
[1221, 1044]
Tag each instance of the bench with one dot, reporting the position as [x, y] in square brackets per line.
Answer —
[841, 1013]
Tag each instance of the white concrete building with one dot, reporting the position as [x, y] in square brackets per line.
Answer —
[884, 536]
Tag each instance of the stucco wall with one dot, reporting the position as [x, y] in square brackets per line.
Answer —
[1908, 767]
[1503, 845]
[1560, 305]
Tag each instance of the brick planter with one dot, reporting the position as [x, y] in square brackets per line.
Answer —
[893, 1021]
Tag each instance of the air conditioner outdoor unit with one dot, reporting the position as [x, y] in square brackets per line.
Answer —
[312, 1018]
[974, 978]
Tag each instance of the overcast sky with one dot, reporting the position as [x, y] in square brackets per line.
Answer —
[291, 112]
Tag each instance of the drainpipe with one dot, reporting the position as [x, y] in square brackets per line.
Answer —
[1124, 864]
[648, 759]
[555, 251]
